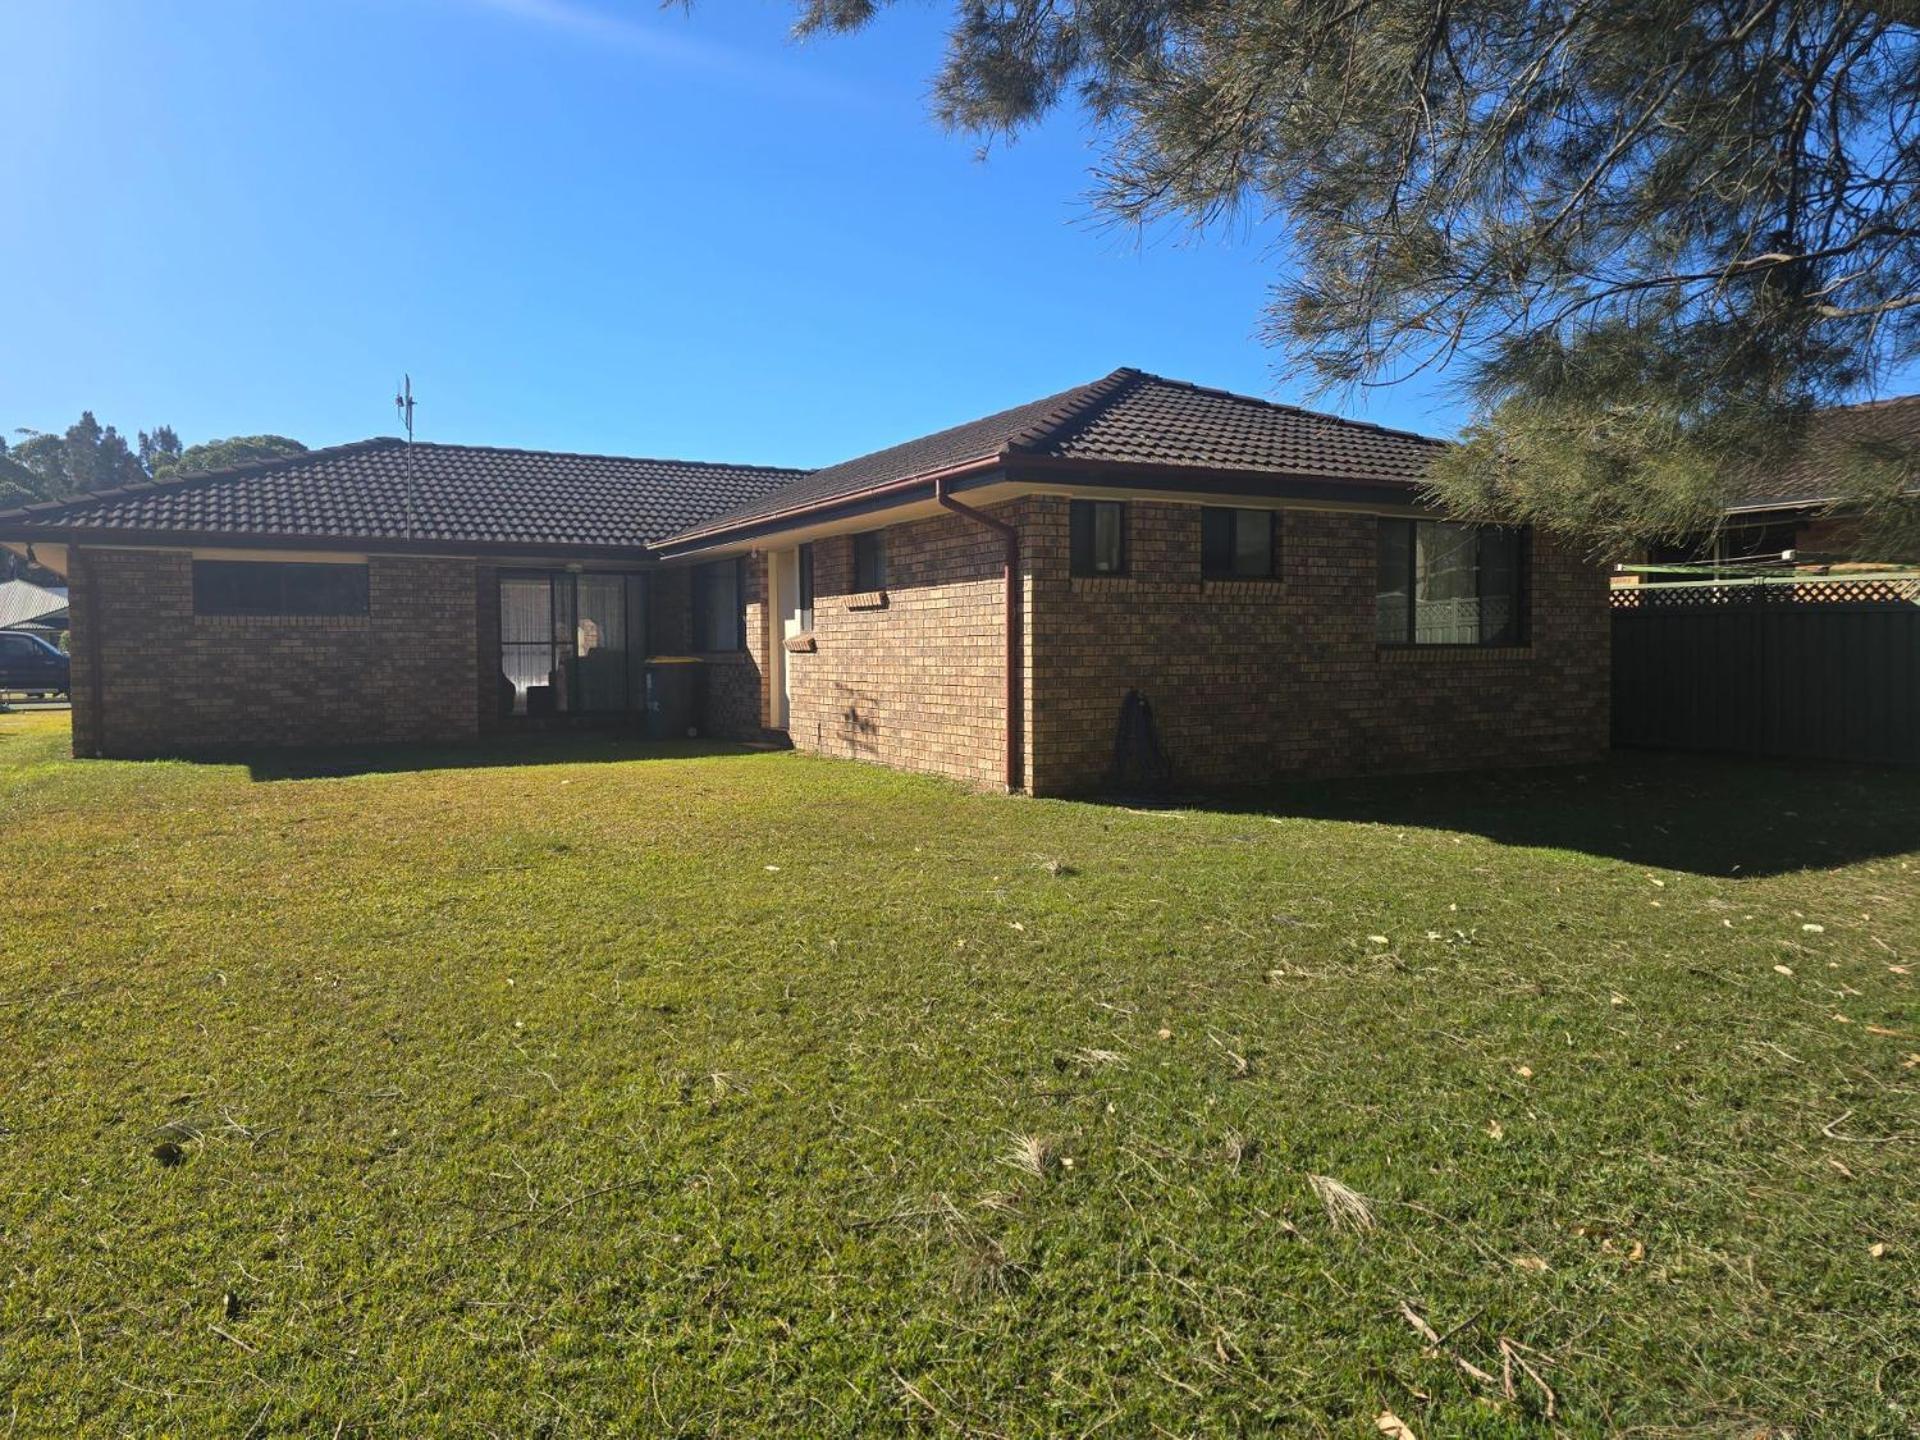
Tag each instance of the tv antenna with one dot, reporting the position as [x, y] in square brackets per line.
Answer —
[403, 406]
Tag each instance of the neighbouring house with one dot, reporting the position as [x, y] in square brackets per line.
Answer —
[976, 603]
[38, 609]
[1793, 514]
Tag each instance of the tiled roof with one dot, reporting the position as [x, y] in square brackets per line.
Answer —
[1127, 418]
[461, 494]
[1831, 442]
[466, 494]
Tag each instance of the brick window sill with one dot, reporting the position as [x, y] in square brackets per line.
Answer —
[868, 600]
[801, 644]
[284, 622]
[1097, 583]
[1241, 584]
[1405, 654]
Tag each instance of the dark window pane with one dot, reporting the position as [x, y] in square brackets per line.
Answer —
[1253, 543]
[717, 616]
[268, 587]
[1098, 537]
[1499, 587]
[1236, 544]
[1216, 541]
[870, 561]
[1393, 616]
[1444, 583]
[806, 587]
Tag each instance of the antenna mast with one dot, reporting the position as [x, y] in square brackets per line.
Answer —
[403, 403]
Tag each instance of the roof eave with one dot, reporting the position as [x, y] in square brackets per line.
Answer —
[128, 538]
[1039, 470]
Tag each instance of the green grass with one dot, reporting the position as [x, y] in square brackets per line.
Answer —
[589, 1089]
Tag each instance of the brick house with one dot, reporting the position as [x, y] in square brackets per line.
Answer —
[975, 603]
[1797, 508]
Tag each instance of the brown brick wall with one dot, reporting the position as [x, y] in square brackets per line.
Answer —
[735, 684]
[1260, 680]
[172, 682]
[919, 682]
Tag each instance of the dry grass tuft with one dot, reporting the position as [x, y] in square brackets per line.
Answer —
[982, 1268]
[1037, 1155]
[1347, 1209]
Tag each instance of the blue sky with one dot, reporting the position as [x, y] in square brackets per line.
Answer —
[581, 224]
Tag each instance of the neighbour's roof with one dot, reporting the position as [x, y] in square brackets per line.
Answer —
[22, 602]
[1126, 418]
[1830, 444]
[460, 494]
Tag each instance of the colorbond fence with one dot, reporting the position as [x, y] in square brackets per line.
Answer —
[1825, 669]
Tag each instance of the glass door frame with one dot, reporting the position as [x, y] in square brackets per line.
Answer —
[564, 632]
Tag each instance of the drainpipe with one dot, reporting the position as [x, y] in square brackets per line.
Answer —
[1011, 535]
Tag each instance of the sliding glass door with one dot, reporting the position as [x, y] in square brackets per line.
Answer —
[572, 643]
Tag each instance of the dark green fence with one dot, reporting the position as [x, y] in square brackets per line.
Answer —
[1825, 670]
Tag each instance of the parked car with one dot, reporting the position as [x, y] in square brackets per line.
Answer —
[28, 663]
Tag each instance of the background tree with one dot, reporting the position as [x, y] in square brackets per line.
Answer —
[1651, 234]
[90, 456]
[235, 450]
[159, 449]
[97, 457]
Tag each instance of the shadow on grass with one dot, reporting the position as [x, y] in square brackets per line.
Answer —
[518, 750]
[1704, 815]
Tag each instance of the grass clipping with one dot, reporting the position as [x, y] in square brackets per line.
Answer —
[1348, 1211]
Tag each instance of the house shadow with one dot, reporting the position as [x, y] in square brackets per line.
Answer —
[516, 751]
[1703, 815]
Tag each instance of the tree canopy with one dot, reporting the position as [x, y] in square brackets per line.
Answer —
[41, 465]
[1648, 236]
[235, 450]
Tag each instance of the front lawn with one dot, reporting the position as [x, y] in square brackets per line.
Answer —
[620, 1092]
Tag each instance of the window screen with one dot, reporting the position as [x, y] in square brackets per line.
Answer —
[271, 587]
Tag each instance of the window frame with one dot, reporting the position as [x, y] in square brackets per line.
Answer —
[869, 562]
[803, 579]
[701, 605]
[563, 613]
[209, 603]
[1082, 530]
[1236, 515]
[1521, 596]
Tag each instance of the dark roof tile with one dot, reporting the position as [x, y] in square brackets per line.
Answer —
[460, 493]
[1128, 417]
[1829, 445]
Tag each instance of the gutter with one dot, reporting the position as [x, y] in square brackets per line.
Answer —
[1011, 535]
[807, 507]
[1042, 470]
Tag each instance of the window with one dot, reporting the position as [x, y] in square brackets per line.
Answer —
[870, 561]
[719, 619]
[272, 587]
[806, 587]
[571, 643]
[1239, 544]
[1099, 537]
[1443, 583]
